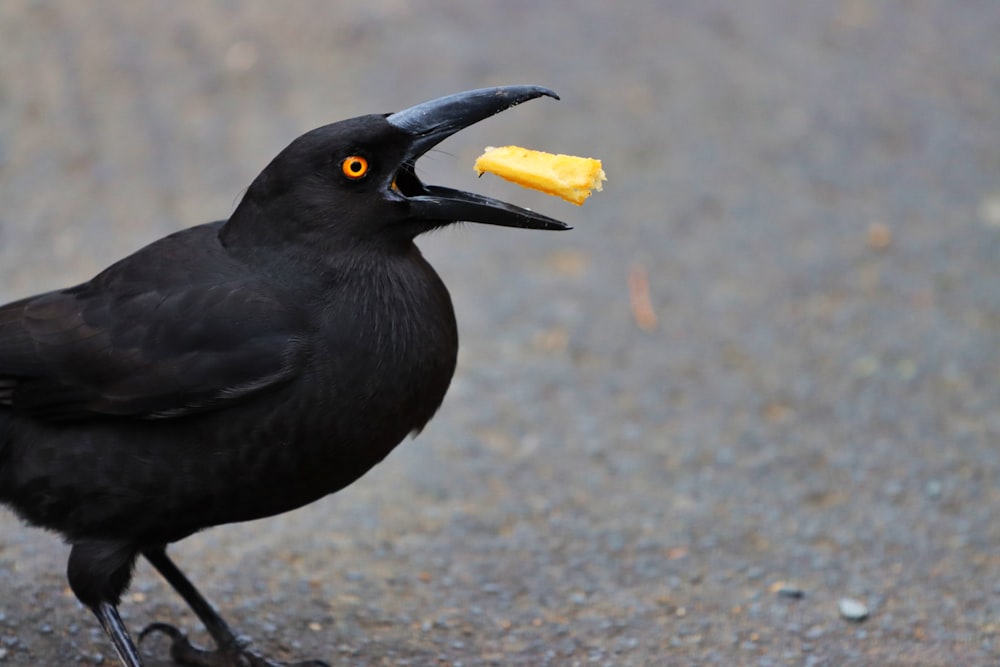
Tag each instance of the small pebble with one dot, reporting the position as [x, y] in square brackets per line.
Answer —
[853, 610]
[879, 236]
[789, 591]
[989, 210]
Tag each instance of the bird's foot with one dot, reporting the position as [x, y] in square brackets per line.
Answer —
[183, 652]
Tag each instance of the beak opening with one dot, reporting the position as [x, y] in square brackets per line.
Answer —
[430, 123]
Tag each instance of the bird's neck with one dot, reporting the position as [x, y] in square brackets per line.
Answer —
[299, 247]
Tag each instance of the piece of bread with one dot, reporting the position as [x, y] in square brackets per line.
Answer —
[566, 176]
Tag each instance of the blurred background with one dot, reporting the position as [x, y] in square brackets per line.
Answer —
[761, 376]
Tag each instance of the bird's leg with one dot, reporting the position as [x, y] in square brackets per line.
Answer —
[126, 649]
[99, 572]
[224, 637]
[232, 649]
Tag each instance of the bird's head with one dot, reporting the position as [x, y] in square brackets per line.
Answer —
[355, 179]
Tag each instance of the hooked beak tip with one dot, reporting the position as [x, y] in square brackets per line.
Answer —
[435, 120]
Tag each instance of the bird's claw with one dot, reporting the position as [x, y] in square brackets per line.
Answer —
[183, 652]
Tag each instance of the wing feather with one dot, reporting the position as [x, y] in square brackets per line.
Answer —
[175, 329]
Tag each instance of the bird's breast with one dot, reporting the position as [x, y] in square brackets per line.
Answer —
[380, 364]
[388, 350]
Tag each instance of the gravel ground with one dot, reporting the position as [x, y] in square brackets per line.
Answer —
[754, 393]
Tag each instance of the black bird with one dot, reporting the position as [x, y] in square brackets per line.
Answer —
[242, 368]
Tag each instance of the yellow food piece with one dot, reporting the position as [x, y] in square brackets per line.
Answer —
[566, 176]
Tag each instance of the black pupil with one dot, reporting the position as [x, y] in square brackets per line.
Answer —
[355, 166]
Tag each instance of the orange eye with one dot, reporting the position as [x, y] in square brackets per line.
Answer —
[354, 167]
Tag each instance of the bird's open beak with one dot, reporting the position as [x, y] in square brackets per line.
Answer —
[430, 123]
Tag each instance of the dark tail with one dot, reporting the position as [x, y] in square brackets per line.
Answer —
[6, 434]
[6, 431]
[6, 426]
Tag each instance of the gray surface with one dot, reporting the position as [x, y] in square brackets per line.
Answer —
[810, 410]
